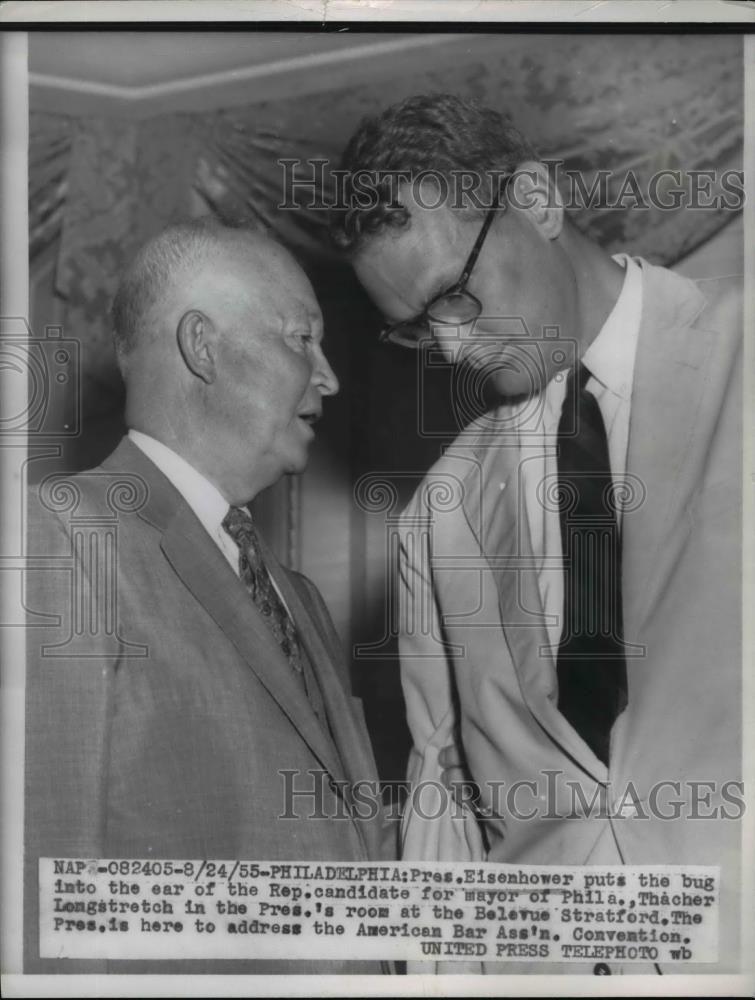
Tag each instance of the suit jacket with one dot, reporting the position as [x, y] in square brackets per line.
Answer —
[476, 664]
[161, 712]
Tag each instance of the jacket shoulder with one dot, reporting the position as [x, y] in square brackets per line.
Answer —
[671, 299]
[723, 306]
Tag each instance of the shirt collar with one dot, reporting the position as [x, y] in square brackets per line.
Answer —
[201, 495]
[610, 357]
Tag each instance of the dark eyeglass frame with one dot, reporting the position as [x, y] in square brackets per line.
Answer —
[392, 332]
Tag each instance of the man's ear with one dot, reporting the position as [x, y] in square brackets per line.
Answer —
[195, 335]
[532, 190]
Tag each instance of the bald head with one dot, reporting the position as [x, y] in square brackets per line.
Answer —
[219, 338]
[173, 269]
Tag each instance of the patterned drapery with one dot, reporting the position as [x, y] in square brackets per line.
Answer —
[50, 141]
[100, 187]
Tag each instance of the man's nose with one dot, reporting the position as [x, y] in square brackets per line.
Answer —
[325, 378]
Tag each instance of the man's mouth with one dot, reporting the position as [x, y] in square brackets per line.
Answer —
[309, 416]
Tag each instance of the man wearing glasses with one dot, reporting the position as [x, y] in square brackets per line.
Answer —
[570, 633]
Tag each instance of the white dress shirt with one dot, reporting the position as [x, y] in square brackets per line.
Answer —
[205, 499]
[200, 494]
[610, 361]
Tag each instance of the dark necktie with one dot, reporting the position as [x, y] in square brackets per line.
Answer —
[591, 668]
[256, 578]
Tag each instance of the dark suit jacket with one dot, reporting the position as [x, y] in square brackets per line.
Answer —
[160, 709]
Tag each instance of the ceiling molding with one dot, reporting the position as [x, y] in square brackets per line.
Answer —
[69, 85]
[308, 73]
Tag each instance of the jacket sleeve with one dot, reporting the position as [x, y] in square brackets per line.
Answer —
[434, 826]
[68, 699]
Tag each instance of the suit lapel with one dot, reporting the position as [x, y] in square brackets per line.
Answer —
[344, 725]
[205, 572]
[346, 729]
[668, 397]
[201, 566]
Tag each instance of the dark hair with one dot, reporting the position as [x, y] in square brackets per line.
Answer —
[442, 134]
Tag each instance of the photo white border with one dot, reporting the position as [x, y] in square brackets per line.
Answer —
[14, 278]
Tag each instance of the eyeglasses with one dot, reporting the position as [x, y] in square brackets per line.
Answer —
[454, 307]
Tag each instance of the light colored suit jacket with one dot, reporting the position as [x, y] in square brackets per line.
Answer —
[160, 720]
[477, 666]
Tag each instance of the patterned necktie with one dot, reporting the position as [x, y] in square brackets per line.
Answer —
[256, 578]
[591, 667]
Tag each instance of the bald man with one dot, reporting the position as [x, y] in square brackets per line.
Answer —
[186, 695]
